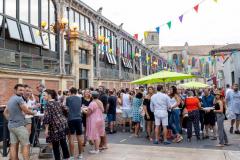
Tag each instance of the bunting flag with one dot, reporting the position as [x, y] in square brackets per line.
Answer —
[145, 34]
[158, 30]
[181, 18]
[110, 50]
[196, 8]
[135, 36]
[169, 24]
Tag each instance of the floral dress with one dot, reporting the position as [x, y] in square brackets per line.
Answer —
[136, 113]
[54, 117]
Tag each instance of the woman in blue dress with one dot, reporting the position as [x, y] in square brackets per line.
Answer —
[137, 103]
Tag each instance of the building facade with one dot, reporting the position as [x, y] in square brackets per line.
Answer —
[227, 64]
[63, 43]
[196, 60]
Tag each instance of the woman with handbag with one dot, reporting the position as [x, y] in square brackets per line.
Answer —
[137, 103]
[95, 122]
[55, 124]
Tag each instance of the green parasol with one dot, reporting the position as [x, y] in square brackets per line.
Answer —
[163, 77]
[194, 85]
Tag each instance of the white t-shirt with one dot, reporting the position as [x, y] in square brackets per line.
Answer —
[160, 102]
[126, 102]
[30, 104]
[173, 102]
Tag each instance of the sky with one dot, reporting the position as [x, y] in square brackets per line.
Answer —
[215, 23]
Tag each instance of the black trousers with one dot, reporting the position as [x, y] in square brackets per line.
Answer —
[193, 119]
[56, 149]
[202, 113]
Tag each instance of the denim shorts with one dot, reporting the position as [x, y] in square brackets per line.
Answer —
[127, 113]
[111, 117]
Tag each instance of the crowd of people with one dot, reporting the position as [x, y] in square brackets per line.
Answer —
[163, 114]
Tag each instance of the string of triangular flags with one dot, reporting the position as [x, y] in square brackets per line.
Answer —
[180, 18]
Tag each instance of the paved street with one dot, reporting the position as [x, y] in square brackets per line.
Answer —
[124, 146]
[127, 138]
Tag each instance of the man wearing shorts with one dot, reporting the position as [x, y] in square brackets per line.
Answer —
[126, 109]
[209, 115]
[14, 112]
[74, 103]
[235, 105]
[160, 103]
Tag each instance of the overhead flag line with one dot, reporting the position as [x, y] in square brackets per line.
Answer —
[180, 18]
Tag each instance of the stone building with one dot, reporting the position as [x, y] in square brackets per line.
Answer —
[63, 43]
[191, 59]
[227, 66]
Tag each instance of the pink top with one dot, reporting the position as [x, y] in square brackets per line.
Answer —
[95, 122]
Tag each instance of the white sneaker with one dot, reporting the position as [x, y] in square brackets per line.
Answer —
[71, 158]
[80, 157]
[94, 151]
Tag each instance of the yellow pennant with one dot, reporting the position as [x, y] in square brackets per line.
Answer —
[145, 34]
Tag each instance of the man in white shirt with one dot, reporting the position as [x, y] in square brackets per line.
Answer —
[233, 100]
[160, 103]
[126, 99]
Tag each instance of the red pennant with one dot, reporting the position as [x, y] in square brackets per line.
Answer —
[135, 36]
[196, 8]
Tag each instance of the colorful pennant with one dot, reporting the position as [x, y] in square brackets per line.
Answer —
[158, 30]
[145, 34]
[196, 8]
[135, 36]
[181, 18]
[169, 24]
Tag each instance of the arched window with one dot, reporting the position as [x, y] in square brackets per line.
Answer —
[44, 12]
[11, 8]
[24, 10]
[34, 13]
[52, 16]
